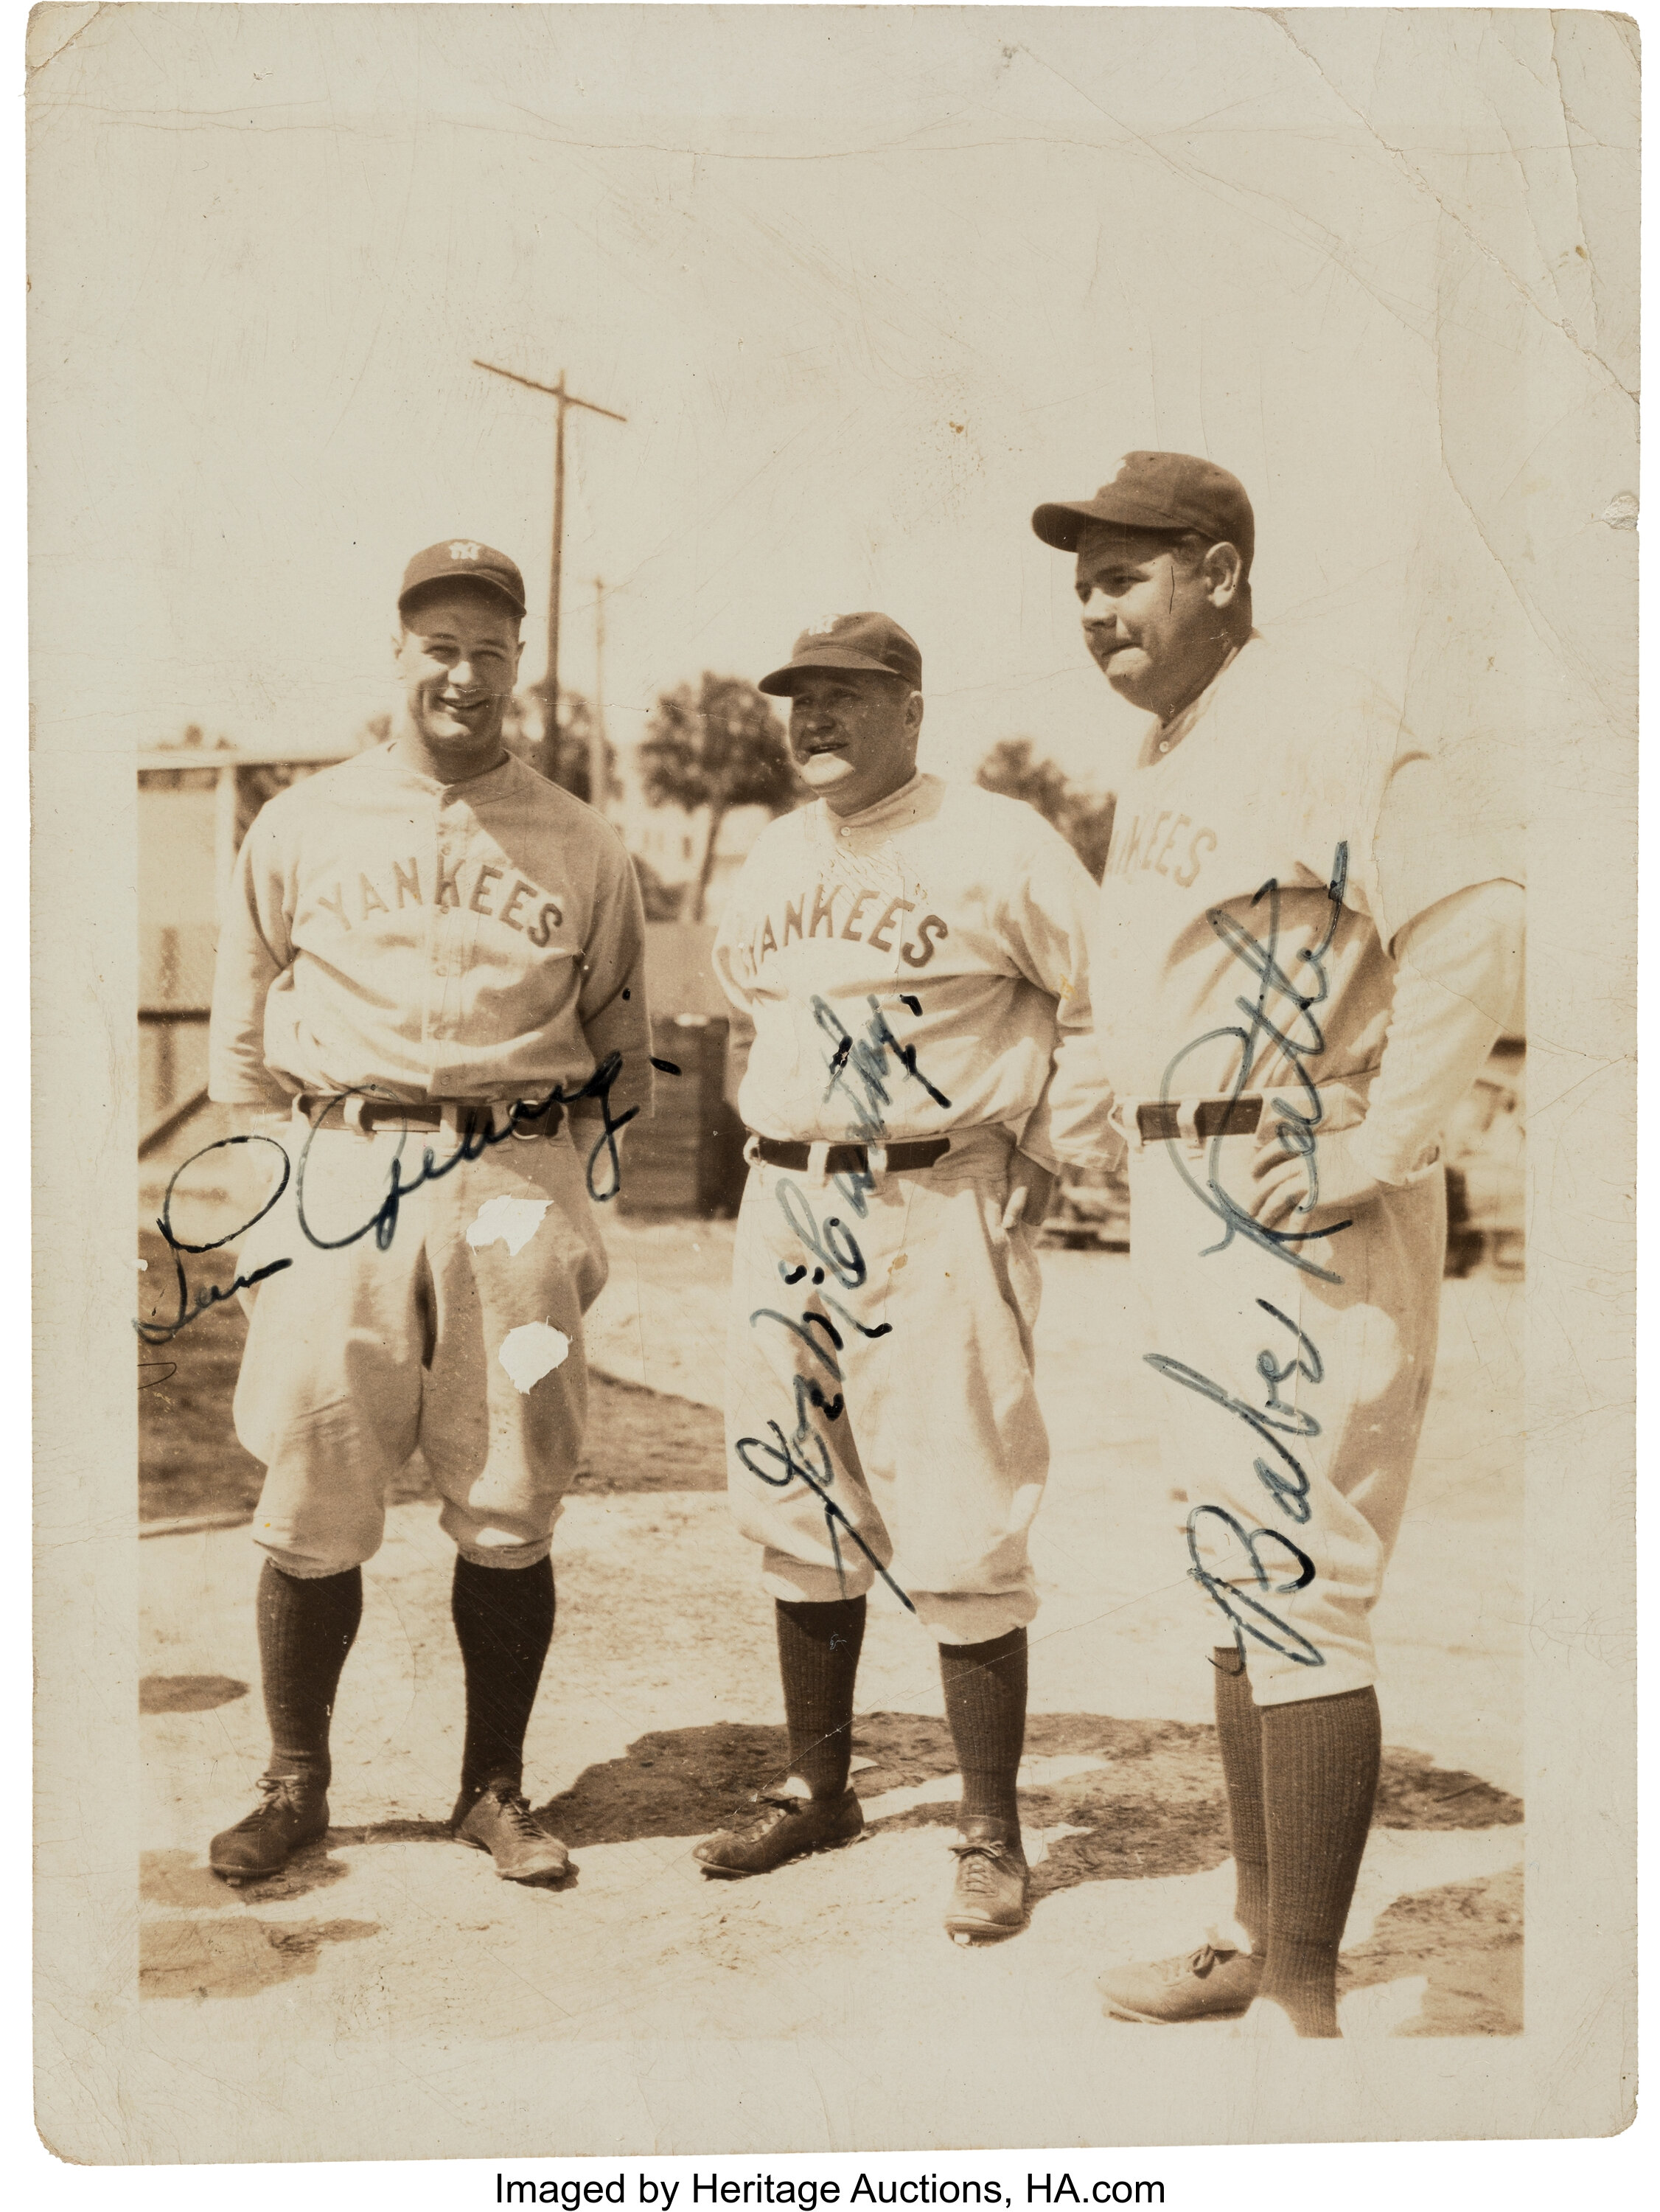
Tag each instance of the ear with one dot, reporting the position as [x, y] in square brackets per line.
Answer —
[915, 706]
[1224, 575]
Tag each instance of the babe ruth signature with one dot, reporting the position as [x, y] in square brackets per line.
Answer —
[833, 1251]
[1298, 1036]
[383, 1222]
[1287, 1485]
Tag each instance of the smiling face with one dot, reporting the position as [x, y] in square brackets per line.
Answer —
[457, 656]
[853, 735]
[1161, 614]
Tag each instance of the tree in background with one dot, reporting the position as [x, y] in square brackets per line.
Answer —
[561, 755]
[720, 747]
[1013, 767]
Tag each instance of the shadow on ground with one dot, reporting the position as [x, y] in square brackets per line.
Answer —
[1465, 1940]
[201, 1959]
[188, 1693]
[1155, 1807]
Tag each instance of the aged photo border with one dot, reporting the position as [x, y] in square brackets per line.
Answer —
[83, 978]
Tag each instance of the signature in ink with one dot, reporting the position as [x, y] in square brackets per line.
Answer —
[1299, 1036]
[859, 1069]
[1286, 1483]
[477, 1137]
[864, 1061]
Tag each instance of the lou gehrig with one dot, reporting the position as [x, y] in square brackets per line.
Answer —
[431, 960]
[912, 956]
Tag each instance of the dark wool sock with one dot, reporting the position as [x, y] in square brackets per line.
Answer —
[305, 1629]
[504, 1622]
[1239, 1736]
[819, 1660]
[985, 1706]
[1320, 1760]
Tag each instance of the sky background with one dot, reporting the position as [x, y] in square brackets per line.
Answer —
[867, 286]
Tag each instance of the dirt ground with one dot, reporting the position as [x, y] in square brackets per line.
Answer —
[660, 1711]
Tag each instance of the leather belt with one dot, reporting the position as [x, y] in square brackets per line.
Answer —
[365, 1115]
[854, 1159]
[1158, 1119]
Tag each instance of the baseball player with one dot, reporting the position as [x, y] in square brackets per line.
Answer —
[431, 961]
[911, 955]
[1302, 955]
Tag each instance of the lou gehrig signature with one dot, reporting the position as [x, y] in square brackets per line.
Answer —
[476, 1141]
[1293, 1028]
[859, 1072]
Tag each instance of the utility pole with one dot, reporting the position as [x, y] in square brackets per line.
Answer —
[599, 775]
[566, 399]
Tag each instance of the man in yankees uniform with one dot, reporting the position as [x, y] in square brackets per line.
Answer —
[1302, 956]
[911, 954]
[431, 959]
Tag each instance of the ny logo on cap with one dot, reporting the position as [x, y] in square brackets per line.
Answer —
[466, 551]
[823, 626]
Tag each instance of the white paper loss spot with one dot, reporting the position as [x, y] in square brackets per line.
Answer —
[530, 1353]
[514, 1220]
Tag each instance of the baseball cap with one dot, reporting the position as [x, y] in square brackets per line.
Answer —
[465, 557]
[867, 641]
[1158, 491]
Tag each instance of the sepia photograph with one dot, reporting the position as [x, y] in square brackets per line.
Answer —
[832, 773]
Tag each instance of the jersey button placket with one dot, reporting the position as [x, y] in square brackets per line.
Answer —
[451, 852]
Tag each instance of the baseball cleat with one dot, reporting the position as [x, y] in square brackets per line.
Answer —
[1215, 1982]
[787, 1827]
[988, 1899]
[498, 1821]
[291, 1813]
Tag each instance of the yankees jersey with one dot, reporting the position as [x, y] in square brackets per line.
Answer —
[917, 968]
[1268, 847]
[388, 933]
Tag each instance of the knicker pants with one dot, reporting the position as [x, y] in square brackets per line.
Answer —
[356, 1356]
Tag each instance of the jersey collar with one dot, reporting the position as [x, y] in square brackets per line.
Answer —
[898, 806]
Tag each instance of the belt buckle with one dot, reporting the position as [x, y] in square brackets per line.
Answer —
[818, 1163]
[876, 1161]
[351, 1113]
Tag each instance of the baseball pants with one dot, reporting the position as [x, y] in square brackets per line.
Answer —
[880, 1409]
[1291, 1408]
[463, 1339]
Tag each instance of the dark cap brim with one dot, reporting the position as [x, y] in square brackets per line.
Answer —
[473, 576]
[1060, 523]
[780, 685]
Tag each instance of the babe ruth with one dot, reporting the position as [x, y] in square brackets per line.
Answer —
[433, 958]
[1302, 956]
[912, 956]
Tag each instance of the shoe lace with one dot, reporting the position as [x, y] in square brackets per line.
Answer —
[976, 1862]
[516, 1811]
[278, 1793]
[764, 1810]
[1210, 1953]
